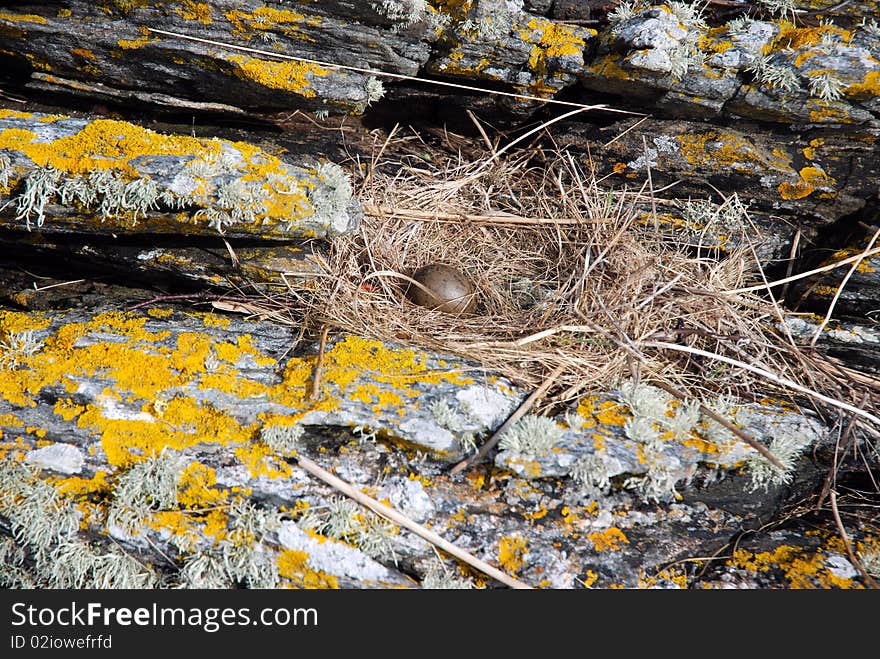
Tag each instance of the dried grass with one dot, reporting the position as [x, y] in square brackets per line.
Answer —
[567, 274]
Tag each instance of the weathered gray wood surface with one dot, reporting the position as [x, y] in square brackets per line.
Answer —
[172, 432]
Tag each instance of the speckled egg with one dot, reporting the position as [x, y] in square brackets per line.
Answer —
[448, 289]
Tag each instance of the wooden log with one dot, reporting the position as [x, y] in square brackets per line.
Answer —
[64, 174]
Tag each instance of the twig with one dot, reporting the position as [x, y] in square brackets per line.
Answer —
[395, 76]
[791, 256]
[398, 518]
[848, 436]
[831, 266]
[849, 550]
[198, 297]
[778, 379]
[61, 283]
[839, 291]
[319, 365]
[513, 418]
[763, 450]
[500, 218]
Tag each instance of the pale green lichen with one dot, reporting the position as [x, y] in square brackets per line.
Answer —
[787, 448]
[786, 9]
[5, 171]
[282, 438]
[644, 400]
[45, 526]
[439, 577]
[625, 11]
[702, 213]
[204, 570]
[375, 90]
[870, 26]
[113, 194]
[17, 347]
[591, 473]
[777, 76]
[689, 14]
[345, 520]
[532, 435]
[826, 86]
[147, 486]
[330, 198]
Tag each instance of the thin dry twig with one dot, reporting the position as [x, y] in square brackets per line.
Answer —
[809, 273]
[772, 377]
[395, 76]
[846, 543]
[520, 412]
[398, 518]
[839, 291]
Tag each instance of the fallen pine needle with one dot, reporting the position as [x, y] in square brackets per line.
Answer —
[396, 517]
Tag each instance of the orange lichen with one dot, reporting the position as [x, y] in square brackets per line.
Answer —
[294, 566]
[610, 539]
[288, 76]
[511, 553]
[810, 179]
[196, 11]
[195, 486]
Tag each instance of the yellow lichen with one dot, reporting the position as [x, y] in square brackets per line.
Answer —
[868, 88]
[294, 566]
[22, 18]
[610, 539]
[288, 76]
[511, 553]
[196, 11]
[800, 567]
[196, 489]
[724, 149]
[76, 486]
[550, 40]
[810, 179]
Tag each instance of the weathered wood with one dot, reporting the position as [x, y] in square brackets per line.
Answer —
[64, 174]
[163, 435]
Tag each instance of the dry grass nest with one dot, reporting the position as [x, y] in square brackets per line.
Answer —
[570, 274]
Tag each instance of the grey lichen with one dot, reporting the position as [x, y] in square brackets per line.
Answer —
[283, 439]
[332, 195]
[439, 577]
[532, 435]
[17, 348]
[345, 520]
[787, 448]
